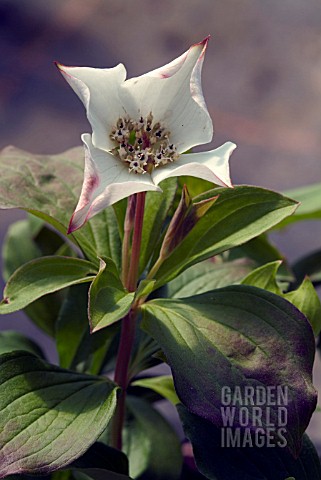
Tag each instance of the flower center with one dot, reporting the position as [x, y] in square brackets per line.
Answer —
[143, 145]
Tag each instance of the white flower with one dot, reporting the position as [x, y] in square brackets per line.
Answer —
[141, 127]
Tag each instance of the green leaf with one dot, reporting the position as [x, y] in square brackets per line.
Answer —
[156, 210]
[306, 299]
[248, 462]
[11, 341]
[59, 475]
[144, 288]
[150, 443]
[49, 186]
[144, 354]
[44, 311]
[238, 215]
[109, 301]
[259, 249]
[195, 185]
[49, 241]
[36, 240]
[77, 348]
[13, 255]
[48, 416]
[207, 276]
[120, 214]
[236, 336]
[264, 277]
[163, 385]
[310, 204]
[42, 276]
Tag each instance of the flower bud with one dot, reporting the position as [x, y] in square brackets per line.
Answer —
[184, 220]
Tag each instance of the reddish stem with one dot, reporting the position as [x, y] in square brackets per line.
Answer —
[128, 327]
[121, 376]
[137, 238]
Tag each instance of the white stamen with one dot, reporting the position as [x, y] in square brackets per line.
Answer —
[143, 145]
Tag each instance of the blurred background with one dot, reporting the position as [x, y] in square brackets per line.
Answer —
[261, 81]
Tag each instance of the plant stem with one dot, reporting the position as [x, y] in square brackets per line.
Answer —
[131, 283]
[155, 268]
[121, 376]
[125, 255]
[128, 327]
[128, 227]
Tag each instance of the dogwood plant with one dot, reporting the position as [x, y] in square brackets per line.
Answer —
[162, 263]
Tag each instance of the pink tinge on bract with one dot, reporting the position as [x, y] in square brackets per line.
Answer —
[80, 215]
[106, 181]
[172, 67]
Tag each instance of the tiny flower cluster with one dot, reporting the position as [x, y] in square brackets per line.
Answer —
[143, 145]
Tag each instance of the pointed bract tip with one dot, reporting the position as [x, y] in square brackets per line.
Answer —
[70, 230]
[202, 46]
[58, 65]
[72, 226]
[206, 40]
[63, 69]
[203, 42]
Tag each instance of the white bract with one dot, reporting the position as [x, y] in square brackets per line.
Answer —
[140, 129]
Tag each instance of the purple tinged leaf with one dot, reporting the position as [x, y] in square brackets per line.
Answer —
[246, 462]
[48, 186]
[242, 337]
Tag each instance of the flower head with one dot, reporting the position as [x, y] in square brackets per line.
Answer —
[140, 129]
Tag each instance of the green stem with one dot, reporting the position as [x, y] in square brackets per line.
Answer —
[128, 227]
[155, 268]
[125, 255]
[128, 327]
